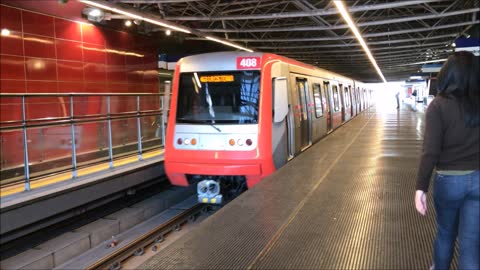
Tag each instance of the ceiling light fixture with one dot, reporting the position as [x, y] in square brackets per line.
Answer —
[138, 18]
[341, 8]
[134, 16]
[5, 32]
[95, 12]
[228, 43]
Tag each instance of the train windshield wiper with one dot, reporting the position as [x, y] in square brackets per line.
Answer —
[215, 127]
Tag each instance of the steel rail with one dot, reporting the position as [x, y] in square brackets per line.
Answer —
[144, 240]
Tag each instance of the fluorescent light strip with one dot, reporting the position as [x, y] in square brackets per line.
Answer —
[423, 62]
[167, 25]
[341, 8]
[134, 16]
[228, 43]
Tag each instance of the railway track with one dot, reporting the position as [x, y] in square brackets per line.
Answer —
[112, 253]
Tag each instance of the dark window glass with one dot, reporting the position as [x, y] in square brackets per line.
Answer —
[302, 101]
[219, 97]
[347, 97]
[317, 98]
[336, 103]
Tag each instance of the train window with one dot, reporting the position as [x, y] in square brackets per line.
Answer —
[336, 102]
[317, 99]
[219, 97]
[346, 97]
[302, 98]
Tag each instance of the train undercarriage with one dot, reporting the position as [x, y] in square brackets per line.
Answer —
[215, 189]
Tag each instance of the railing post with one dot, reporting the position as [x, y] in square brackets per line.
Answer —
[139, 130]
[164, 115]
[109, 121]
[74, 144]
[25, 147]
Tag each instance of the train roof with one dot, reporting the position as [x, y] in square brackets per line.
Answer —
[227, 60]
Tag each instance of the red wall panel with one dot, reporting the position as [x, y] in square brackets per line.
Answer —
[68, 30]
[95, 73]
[41, 87]
[12, 44]
[41, 69]
[45, 50]
[69, 50]
[94, 53]
[39, 46]
[10, 18]
[48, 54]
[12, 67]
[92, 34]
[38, 24]
[71, 87]
[70, 71]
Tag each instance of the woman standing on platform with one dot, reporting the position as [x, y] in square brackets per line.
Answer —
[451, 145]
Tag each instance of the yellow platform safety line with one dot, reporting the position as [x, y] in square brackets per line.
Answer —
[5, 191]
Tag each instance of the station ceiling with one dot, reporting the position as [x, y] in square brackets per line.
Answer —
[398, 33]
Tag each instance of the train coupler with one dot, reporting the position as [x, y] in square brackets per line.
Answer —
[209, 192]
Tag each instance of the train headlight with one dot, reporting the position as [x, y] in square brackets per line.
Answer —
[240, 142]
[193, 141]
[179, 141]
[248, 142]
[231, 142]
[186, 141]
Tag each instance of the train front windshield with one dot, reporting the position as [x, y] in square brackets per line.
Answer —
[219, 97]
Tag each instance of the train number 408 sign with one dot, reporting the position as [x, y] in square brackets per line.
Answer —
[248, 62]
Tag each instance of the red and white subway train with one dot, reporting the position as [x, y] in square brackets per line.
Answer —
[236, 117]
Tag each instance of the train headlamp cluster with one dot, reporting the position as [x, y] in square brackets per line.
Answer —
[231, 142]
[240, 142]
[187, 141]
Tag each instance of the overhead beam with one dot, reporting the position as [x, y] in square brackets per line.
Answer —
[393, 41]
[416, 30]
[154, 1]
[318, 12]
[342, 26]
[436, 44]
[351, 53]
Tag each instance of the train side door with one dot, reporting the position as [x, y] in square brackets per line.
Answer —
[352, 101]
[327, 95]
[304, 115]
[343, 104]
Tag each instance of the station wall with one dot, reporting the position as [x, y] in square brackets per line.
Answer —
[42, 53]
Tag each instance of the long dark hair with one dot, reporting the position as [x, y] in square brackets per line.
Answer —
[459, 78]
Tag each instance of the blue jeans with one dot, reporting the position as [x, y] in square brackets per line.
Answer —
[457, 200]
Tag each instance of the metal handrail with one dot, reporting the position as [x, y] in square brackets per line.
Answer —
[49, 119]
[72, 120]
[75, 94]
[77, 120]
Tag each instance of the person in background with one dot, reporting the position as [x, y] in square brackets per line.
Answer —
[397, 96]
[451, 146]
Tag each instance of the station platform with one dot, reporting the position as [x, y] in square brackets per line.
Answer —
[58, 197]
[19, 187]
[345, 203]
